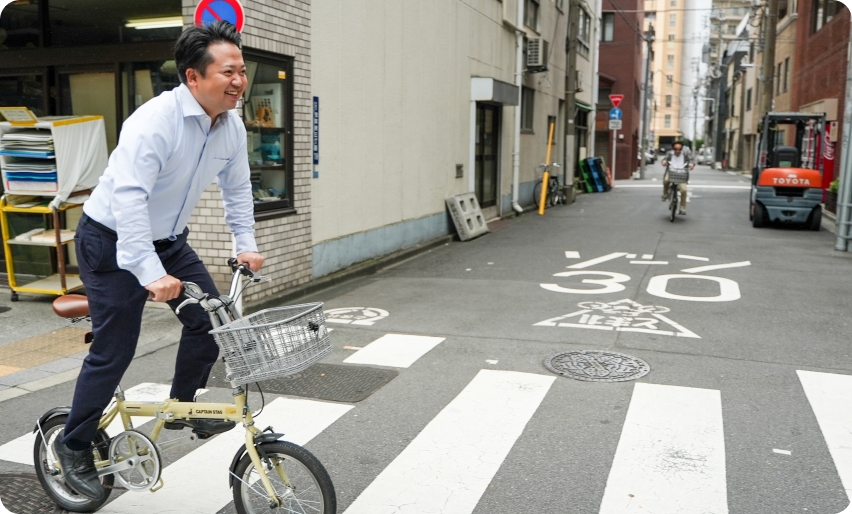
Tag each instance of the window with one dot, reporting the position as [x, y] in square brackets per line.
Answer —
[105, 22]
[748, 99]
[778, 80]
[672, 20]
[603, 94]
[673, 3]
[531, 14]
[268, 116]
[782, 9]
[671, 37]
[608, 22]
[668, 121]
[786, 73]
[822, 12]
[527, 109]
[670, 61]
[584, 33]
[669, 80]
[731, 29]
[668, 100]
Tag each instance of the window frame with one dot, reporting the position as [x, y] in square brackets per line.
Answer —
[669, 80]
[748, 99]
[527, 110]
[667, 121]
[672, 21]
[537, 14]
[584, 30]
[607, 17]
[668, 100]
[277, 209]
[786, 73]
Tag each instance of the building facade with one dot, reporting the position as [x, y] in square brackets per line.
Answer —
[620, 73]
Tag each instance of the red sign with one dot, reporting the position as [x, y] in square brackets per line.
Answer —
[209, 11]
[616, 100]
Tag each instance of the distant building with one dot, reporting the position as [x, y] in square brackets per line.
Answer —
[620, 73]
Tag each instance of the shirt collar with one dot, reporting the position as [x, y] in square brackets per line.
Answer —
[191, 107]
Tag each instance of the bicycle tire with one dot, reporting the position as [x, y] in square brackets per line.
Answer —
[54, 486]
[553, 193]
[537, 194]
[673, 205]
[252, 499]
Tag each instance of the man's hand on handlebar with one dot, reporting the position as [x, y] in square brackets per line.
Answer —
[164, 289]
[253, 259]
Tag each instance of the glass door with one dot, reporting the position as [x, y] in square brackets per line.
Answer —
[487, 151]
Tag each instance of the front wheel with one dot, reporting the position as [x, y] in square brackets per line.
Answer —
[815, 219]
[673, 205]
[310, 484]
[50, 477]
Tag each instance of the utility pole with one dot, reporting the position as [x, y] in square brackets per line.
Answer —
[770, 18]
[646, 95]
[844, 194]
[569, 172]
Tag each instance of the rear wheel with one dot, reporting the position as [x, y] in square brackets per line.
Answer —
[759, 218]
[54, 485]
[311, 491]
[815, 219]
[553, 193]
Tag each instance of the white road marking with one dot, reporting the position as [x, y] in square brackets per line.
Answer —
[397, 350]
[597, 260]
[647, 256]
[572, 255]
[712, 267]
[630, 256]
[694, 258]
[731, 173]
[671, 455]
[829, 394]
[649, 262]
[20, 450]
[782, 452]
[198, 482]
[491, 361]
[728, 289]
[450, 464]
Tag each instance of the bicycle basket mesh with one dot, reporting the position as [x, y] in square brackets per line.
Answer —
[273, 343]
[678, 176]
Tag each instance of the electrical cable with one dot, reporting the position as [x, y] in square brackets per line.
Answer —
[262, 399]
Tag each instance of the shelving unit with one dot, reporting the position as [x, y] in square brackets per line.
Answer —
[59, 283]
[81, 158]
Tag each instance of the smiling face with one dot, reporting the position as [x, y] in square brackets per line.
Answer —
[224, 81]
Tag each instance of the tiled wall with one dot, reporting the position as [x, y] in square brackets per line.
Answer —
[281, 27]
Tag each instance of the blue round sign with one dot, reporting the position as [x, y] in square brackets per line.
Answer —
[615, 113]
[209, 11]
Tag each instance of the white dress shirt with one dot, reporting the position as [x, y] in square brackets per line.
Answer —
[167, 155]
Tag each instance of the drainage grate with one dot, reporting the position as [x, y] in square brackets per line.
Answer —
[22, 494]
[597, 366]
[335, 382]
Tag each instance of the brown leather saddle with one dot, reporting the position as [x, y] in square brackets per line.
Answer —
[71, 306]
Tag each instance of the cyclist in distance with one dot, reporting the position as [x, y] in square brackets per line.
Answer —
[677, 157]
[131, 242]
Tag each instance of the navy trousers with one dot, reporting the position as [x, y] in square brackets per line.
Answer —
[116, 301]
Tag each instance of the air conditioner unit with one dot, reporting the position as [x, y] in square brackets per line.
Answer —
[578, 81]
[536, 55]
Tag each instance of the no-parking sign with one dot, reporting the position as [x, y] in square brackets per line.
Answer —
[209, 11]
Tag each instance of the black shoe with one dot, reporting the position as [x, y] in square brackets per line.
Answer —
[201, 426]
[78, 468]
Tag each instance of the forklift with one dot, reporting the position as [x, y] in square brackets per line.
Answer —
[786, 183]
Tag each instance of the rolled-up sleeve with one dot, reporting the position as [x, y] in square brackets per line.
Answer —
[140, 155]
[235, 183]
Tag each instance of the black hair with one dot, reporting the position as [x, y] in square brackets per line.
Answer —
[677, 143]
[191, 48]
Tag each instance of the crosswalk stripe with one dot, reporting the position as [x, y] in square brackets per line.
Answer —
[671, 455]
[829, 395]
[396, 350]
[198, 482]
[20, 450]
[448, 466]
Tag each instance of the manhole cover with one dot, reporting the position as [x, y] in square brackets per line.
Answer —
[597, 366]
[22, 494]
[335, 382]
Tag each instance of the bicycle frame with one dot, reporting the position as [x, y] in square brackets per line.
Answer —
[221, 310]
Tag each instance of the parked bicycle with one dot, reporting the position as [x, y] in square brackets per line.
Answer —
[554, 190]
[267, 473]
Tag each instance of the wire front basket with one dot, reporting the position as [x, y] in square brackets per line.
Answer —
[677, 176]
[273, 343]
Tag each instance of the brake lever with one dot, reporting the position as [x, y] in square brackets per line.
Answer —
[188, 301]
[261, 278]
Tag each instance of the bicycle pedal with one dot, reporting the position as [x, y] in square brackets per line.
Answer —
[203, 435]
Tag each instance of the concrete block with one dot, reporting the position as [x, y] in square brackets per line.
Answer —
[467, 216]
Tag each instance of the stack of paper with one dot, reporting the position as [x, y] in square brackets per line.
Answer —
[28, 143]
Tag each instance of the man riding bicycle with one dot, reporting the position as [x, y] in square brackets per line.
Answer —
[677, 157]
[131, 242]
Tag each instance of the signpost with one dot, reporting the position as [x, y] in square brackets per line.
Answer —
[615, 115]
[209, 11]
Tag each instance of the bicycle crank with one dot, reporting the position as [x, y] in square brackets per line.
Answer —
[134, 460]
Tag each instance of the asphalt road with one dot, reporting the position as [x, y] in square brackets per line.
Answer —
[723, 413]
